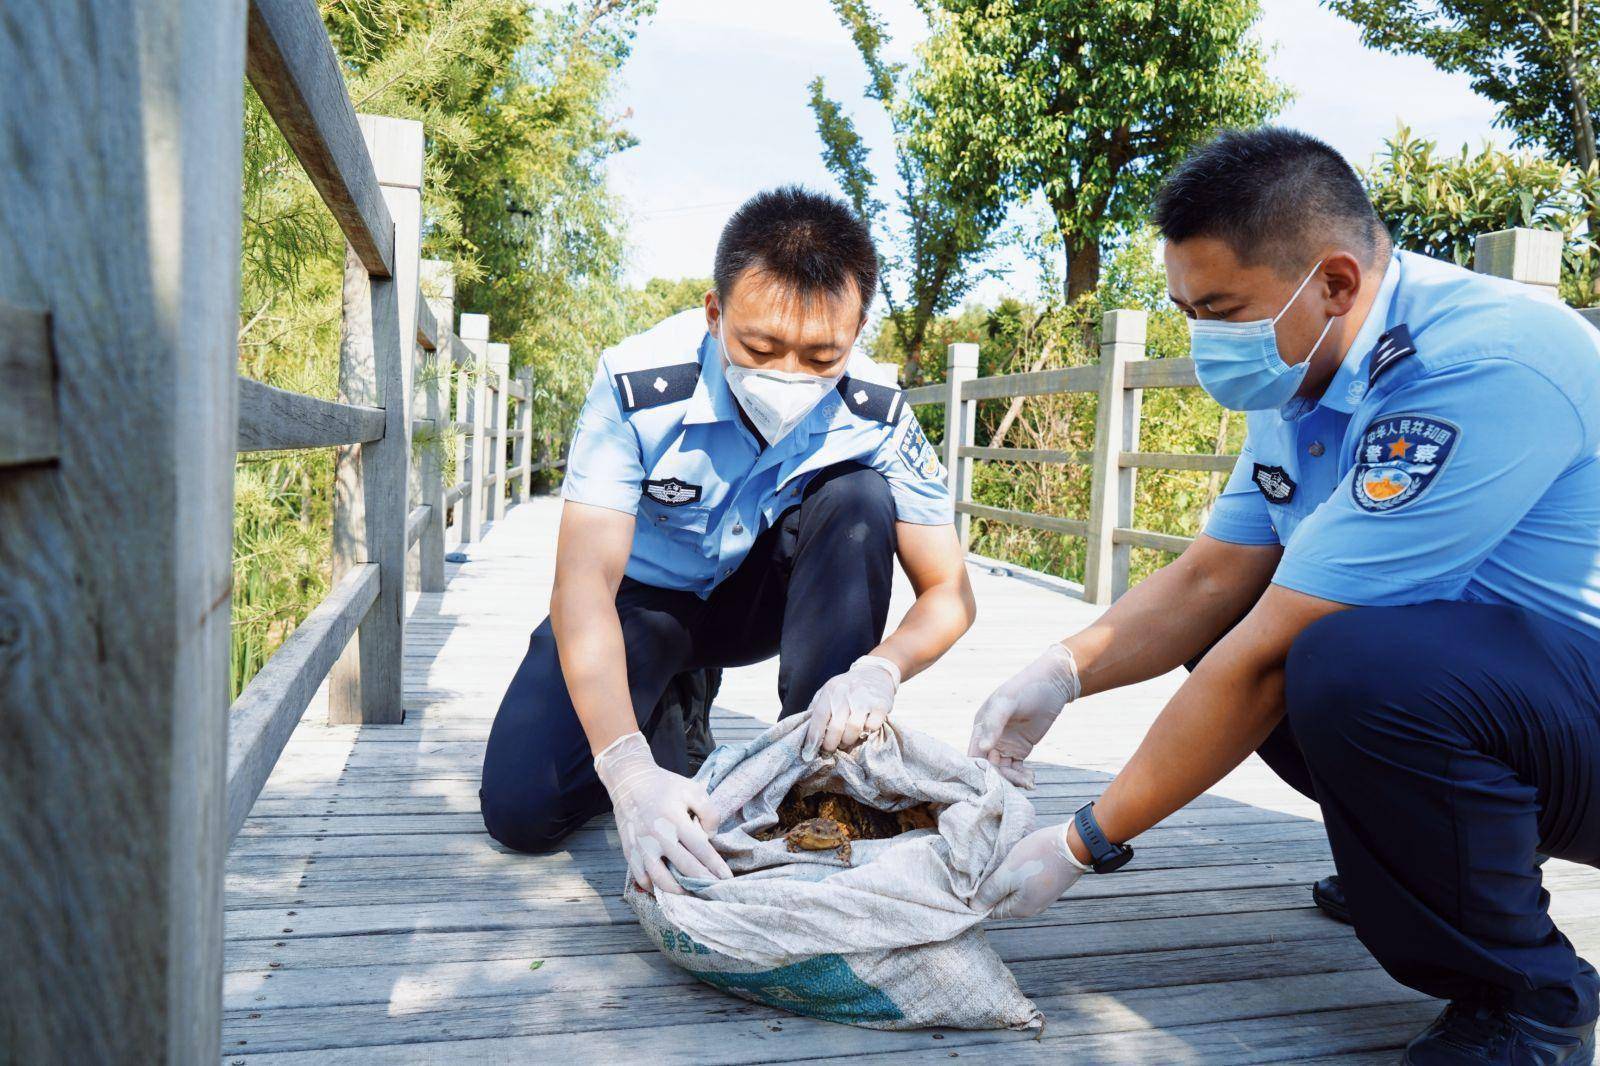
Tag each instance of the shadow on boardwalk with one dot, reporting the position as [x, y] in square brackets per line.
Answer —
[373, 921]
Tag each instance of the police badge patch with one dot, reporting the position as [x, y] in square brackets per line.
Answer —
[671, 491]
[918, 453]
[1398, 457]
[1274, 483]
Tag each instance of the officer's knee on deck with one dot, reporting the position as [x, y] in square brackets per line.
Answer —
[523, 819]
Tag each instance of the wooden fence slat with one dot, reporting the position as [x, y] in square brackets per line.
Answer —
[272, 418]
[926, 394]
[472, 400]
[500, 363]
[291, 64]
[1162, 374]
[1033, 383]
[1027, 455]
[960, 427]
[120, 155]
[1178, 461]
[1116, 428]
[1075, 527]
[376, 347]
[264, 716]
[438, 278]
[1143, 538]
[29, 430]
[524, 471]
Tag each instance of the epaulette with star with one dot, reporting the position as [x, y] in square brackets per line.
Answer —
[655, 386]
[881, 403]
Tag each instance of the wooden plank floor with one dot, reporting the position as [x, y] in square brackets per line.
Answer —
[371, 920]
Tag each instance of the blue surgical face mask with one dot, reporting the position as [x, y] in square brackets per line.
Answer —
[1238, 362]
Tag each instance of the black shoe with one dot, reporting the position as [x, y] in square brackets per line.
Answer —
[1466, 1033]
[1328, 894]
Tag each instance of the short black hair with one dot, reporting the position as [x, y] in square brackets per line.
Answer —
[1273, 195]
[804, 240]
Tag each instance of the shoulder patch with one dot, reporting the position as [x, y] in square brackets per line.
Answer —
[654, 386]
[1398, 457]
[881, 403]
[1392, 347]
[918, 454]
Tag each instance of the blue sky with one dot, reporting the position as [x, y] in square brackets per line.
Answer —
[716, 95]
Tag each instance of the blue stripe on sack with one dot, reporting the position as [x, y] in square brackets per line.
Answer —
[823, 987]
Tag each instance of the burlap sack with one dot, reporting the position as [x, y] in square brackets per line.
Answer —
[889, 941]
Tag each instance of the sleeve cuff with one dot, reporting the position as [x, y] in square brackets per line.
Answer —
[1238, 529]
[611, 496]
[1362, 588]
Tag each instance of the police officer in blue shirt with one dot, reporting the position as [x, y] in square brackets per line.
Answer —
[740, 483]
[1396, 601]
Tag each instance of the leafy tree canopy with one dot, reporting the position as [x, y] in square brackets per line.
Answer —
[1086, 105]
[1539, 60]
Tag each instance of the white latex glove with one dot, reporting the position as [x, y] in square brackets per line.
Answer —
[656, 811]
[1018, 714]
[1039, 869]
[851, 705]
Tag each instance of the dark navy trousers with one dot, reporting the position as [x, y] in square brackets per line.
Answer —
[814, 591]
[1449, 745]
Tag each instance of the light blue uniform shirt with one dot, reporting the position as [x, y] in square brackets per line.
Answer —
[660, 438]
[1455, 455]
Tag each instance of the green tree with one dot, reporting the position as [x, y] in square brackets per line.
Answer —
[1538, 60]
[513, 102]
[1085, 105]
[1437, 204]
[930, 248]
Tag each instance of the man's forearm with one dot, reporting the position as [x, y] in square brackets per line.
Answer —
[1160, 624]
[929, 629]
[1217, 719]
[594, 661]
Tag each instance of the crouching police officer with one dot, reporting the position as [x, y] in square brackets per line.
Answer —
[739, 485]
[1412, 539]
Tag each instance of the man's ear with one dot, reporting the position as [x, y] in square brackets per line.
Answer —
[1341, 278]
[713, 310]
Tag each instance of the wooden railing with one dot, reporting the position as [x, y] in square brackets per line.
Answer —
[1118, 381]
[124, 774]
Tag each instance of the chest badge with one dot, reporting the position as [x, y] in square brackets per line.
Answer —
[671, 491]
[1398, 458]
[1274, 482]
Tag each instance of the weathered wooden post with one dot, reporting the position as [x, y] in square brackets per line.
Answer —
[1531, 256]
[369, 507]
[960, 423]
[120, 150]
[525, 437]
[1116, 429]
[500, 364]
[475, 336]
[439, 278]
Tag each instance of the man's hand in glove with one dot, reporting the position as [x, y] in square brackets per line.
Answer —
[1017, 715]
[851, 705]
[656, 817]
[1039, 869]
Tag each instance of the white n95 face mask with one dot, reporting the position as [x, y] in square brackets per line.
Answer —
[1238, 362]
[776, 400]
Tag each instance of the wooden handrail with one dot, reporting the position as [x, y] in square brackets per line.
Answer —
[273, 419]
[291, 63]
[266, 712]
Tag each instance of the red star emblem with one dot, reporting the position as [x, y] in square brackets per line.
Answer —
[1397, 450]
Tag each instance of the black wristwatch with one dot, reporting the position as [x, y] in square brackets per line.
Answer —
[1105, 856]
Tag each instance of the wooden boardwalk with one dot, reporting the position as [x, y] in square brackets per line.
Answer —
[371, 920]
